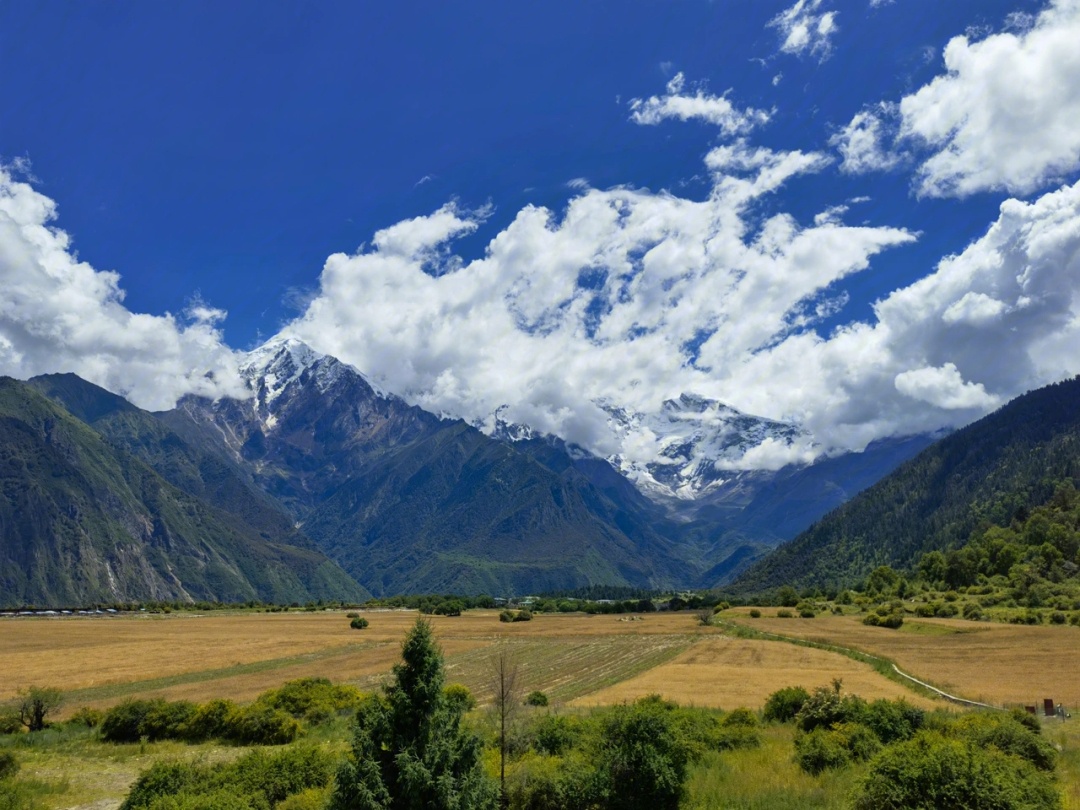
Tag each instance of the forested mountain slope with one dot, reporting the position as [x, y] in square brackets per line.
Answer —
[83, 521]
[985, 474]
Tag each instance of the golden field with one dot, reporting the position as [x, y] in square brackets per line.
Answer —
[594, 659]
[587, 660]
[1001, 664]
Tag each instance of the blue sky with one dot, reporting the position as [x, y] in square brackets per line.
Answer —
[214, 155]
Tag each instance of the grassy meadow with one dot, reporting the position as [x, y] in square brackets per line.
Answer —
[580, 661]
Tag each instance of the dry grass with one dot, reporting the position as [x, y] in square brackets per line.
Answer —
[98, 661]
[1004, 664]
[728, 672]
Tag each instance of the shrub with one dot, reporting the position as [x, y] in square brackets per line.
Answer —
[536, 698]
[10, 723]
[755, 614]
[893, 621]
[459, 697]
[821, 750]
[785, 614]
[259, 724]
[806, 613]
[353, 615]
[316, 700]
[166, 720]
[91, 718]
[972, 612]
[359, 623]
[555, 735]
[784, 704]
[255, 780]
[9, 766]
[506, 616]
[210, 720]
[827, 707]
[123, 723]
[35, 704]
[1057, 617]
[931, 771]
[1008, 736]
[741, 718]
[893, 720]
[523, 616]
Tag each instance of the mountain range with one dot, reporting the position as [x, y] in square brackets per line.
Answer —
[322, 485]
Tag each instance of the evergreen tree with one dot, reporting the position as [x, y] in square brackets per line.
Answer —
[409, 750]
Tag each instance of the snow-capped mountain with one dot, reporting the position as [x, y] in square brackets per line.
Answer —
[693, 445]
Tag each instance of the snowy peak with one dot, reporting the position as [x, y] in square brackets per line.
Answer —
[692, 444]
[283, 367]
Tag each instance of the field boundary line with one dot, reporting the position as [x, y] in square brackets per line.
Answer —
[882, 665]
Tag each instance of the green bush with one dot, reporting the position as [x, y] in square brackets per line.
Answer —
[930, 772]
[555, 735]
[785, 614]
[165, 720]
[523, 616]
[821, 750]
[893, 621]
[755, 614]
[459, 697]
[741, 718]
[253, 782]
[893, 720]
[352, 615]
[315, 700]
[123, 723]
[359, 623]
[536, 698]
[1008, 736]
[783, 704]
[91, 718]
[1057, 617]
[211, 720]
[10, 723]
[259, 724]
[827, 707]
[807, 613]
[9, 766]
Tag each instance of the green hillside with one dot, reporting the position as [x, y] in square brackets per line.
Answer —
[988, 474]
[83, 521]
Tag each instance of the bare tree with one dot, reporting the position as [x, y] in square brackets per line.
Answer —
[506, 690]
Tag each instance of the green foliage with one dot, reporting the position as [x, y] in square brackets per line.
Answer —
[783, 705]
[555, 735]
[253, 782]
[359, 623]
[9, 766]
[976, 481]
[785, 614]
[755, 613]
[1007, 735]
[523, 616]
[893, 720]
[536, 698]
[506, 616]
[409, 748]
[35, 704]
[932, 772]
[86, 716]
[459, 698]
[10, 723]
[826, 708]
[892, 620]
[827, 749]
[806, 613]
[787, 596]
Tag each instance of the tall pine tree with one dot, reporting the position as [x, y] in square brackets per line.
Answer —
[409, 750]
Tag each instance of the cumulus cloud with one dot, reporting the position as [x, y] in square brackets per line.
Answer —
[632, 297]
[628, 296]
[806, 29]
[58, 314]
[1004, 115]
[676, 103]
[944, 388]
[863, 142]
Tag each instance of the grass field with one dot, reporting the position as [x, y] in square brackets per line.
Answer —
[1001, 664]
[579, 660]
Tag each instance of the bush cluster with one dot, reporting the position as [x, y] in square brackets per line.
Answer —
[273, 719]
[297, 777]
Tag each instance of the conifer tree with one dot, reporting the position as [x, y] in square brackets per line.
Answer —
[409, 750]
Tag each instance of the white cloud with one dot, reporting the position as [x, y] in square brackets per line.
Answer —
[633, 297]
[1005, 114]
[862, 142]
[675, 103]
[805, 29]
[944, 388]
[58, 314]
[612, 300]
